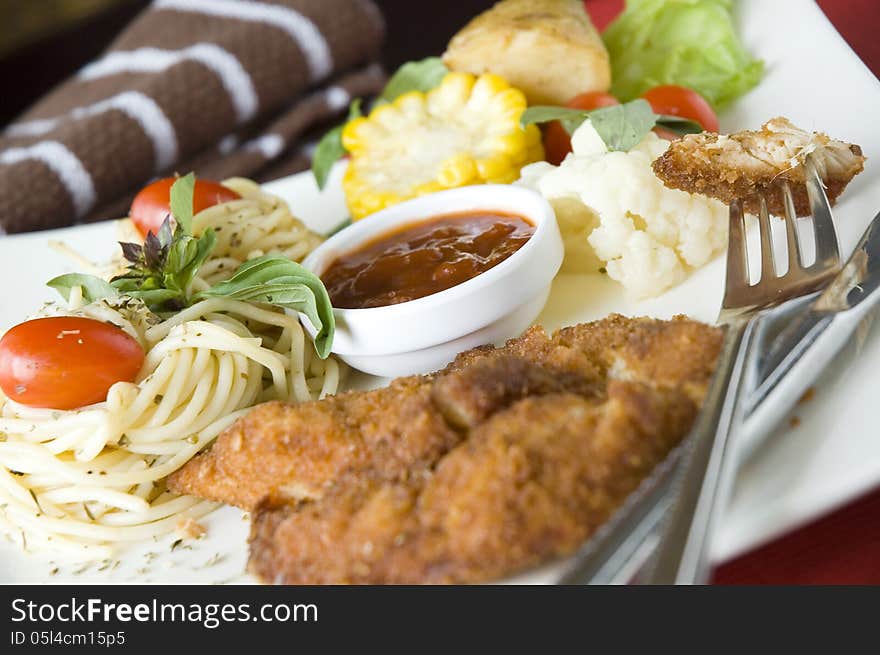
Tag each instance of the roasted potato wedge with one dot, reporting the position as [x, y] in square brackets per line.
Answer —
[547, 48]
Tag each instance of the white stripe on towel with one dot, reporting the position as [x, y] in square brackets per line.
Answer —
[337, 98]
[64, 164]
[268, 145]
[137, 106]
[232, 75]
[302, 30]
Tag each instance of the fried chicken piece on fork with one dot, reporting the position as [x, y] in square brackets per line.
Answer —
[753, 162]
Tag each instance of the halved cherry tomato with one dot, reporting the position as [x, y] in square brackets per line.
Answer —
[557, 142]
[151, 206]
[65, 362]
[681, 101]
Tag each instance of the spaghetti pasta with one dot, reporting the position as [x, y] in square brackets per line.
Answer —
[256, 225]
[85, 480]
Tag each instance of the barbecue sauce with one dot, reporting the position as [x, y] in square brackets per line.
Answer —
[421, 259]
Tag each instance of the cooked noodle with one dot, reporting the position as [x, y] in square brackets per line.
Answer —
[257, 224]
[83, 480]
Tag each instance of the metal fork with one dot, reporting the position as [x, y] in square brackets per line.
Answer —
[705, 477]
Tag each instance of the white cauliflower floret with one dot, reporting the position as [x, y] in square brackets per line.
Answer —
[613, 211]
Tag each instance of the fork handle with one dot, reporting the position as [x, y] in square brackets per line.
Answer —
[705, 476]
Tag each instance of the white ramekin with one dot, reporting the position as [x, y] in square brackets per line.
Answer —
[425, 334]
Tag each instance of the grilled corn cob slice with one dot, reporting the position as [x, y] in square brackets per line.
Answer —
[464, 131]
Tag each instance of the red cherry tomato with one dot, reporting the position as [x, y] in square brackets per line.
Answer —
[151, 206]
[557, 142]
[65, 362]
[681, 101]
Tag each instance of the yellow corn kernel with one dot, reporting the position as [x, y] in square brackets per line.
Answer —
[427, 187]
[506, 177]
[452, 94]
[509, 99]
[492, 167]
[458, 170]
[509, 144]
[412, 103]
[387, 115]
[465, 131]
[485, 88]
[355, 132]
[533, 134]
[535, 153]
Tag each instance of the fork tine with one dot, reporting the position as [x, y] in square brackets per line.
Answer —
[795, 256]
[768, 264]
[827, 252]
[737, 256]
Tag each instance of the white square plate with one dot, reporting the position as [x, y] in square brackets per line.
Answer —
[799, 473]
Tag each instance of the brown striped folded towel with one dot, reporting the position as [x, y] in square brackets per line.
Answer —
[222, 87]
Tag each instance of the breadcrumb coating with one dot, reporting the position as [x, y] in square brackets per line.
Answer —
[507, 458]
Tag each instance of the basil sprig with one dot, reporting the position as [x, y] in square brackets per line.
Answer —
[276, 280]
[161, 272]
[621, 127]
[421, 76]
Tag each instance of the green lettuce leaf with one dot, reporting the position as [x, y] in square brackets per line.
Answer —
[691, 43]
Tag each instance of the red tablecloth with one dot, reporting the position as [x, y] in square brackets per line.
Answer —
[844, 547]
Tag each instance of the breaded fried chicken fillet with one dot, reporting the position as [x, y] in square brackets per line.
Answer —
[507, 457]
[531, 483]
[295, 451]
[740, 165]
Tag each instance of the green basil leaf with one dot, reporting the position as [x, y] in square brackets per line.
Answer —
[181, 251]
[185, 256]
[204, 246]
[93, 288]
[328, 152]
[166, 232]
[571, 119]
[421, 75]
[159, 300]
[354, 110]
[330, 149]
[278, 281]
[150, 288]
[679, 125]
[182, 201]
[622, 127]
[547, 113]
